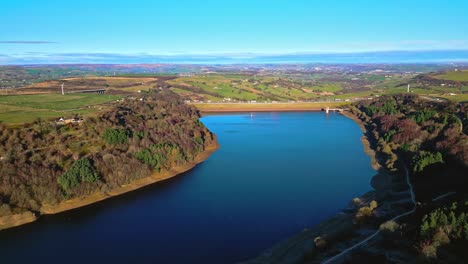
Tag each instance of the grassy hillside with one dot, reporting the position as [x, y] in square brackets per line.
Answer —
[16, 109]
[454, 76]
[131, 84]
[216, 87]
[43, 99]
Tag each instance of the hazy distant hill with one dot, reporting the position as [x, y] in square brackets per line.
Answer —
[439, 56]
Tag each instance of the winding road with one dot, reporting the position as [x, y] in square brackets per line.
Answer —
[413, 199]
[346, 251]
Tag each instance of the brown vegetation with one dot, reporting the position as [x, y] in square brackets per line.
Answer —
[47, 163]
[428, 136]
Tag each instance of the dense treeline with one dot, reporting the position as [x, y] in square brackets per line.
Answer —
[429, 136]
[45, 163]
[429, 140]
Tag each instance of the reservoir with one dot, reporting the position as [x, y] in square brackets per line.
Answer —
[273, 175]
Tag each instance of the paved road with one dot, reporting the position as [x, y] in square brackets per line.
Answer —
[413, 199]
[346, 251]
[442, 196]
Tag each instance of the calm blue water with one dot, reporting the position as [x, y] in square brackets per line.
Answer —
[274, 175]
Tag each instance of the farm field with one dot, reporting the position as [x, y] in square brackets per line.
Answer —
[457, 98]
[454, 76]
[247, 87]
[217, 92]
[129, 84]
[17, 109]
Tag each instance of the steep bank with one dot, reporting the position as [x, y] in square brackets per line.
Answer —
[28, 217]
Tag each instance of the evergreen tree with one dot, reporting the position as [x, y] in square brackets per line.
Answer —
[425, 228]
[81, 171]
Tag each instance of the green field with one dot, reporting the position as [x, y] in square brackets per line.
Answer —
[17, 109]
[216, 87]
[461, 76]
[240, 87]
[456, 98]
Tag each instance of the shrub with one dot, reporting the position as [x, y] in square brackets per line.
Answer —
[429, 250]
[320, 243]
[390, 226]
[366, 212]
[363, 212]
[440, 238]
[390, 229]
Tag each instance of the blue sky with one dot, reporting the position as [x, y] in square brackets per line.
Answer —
[229, 27]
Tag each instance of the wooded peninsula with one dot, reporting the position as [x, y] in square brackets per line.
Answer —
[52, 166]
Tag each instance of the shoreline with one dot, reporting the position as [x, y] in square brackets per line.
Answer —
[14, 220]
[292, 249]
[364, 139]
[301, 245]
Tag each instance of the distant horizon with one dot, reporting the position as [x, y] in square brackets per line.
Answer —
[117, 31]
[304, 57]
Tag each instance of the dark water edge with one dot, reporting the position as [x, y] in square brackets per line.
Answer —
[274, 175]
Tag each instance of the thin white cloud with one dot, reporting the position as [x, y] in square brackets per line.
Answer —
[408, 45]
[408, 56]
[26, 42]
